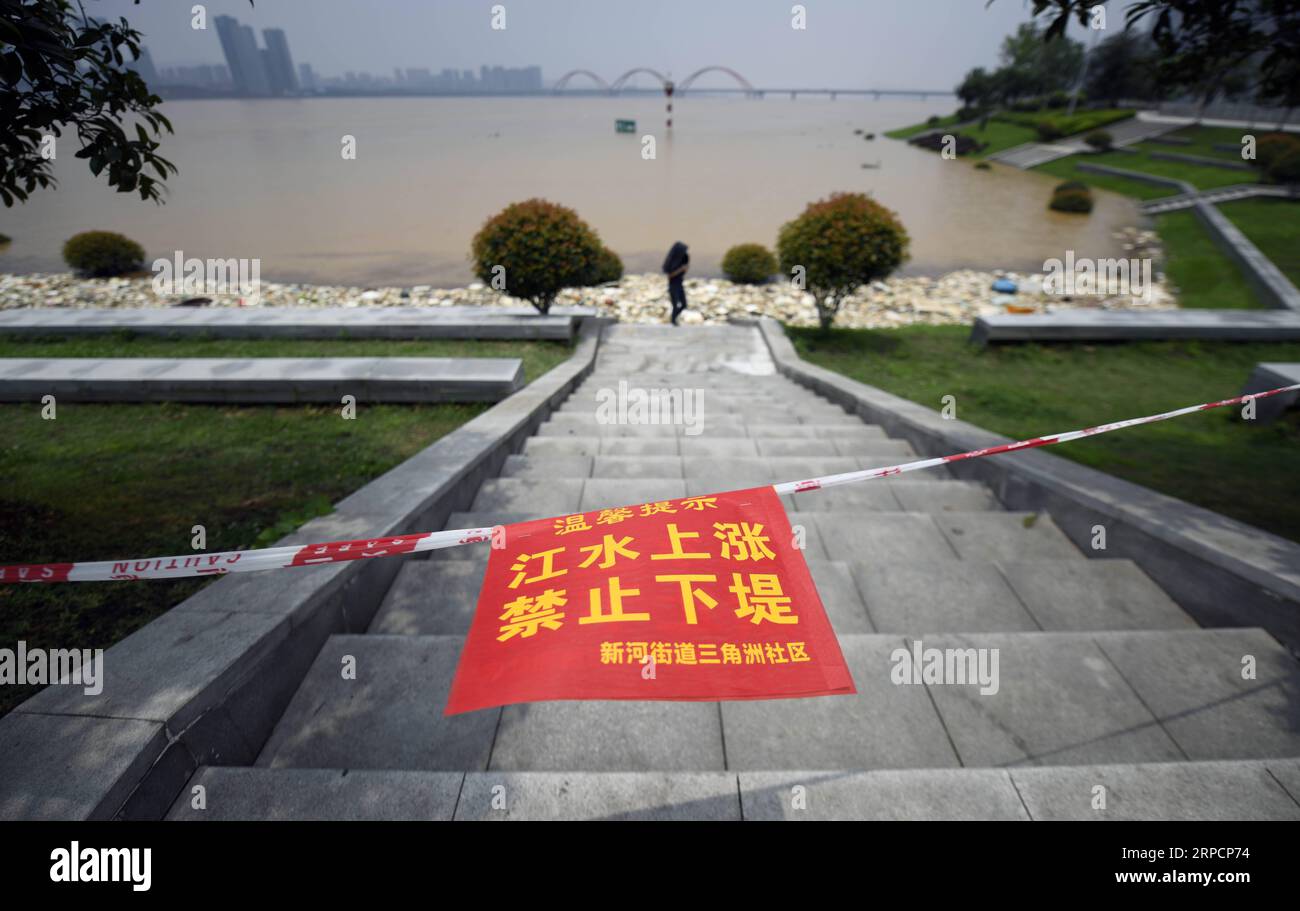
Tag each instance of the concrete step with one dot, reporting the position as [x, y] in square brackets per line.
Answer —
[726, 448]
[970, 596]
[726, 425]
[899, 494]
[893, 537]
[437, 596]
[1061, 699]
[1228, 790]
[745, 470]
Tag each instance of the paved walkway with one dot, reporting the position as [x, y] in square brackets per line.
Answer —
[1103, 678]
[1214, 197]
[1125, 133]
[263, 380]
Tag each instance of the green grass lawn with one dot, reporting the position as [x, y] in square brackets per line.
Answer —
[1239, 469]
[918, 128]
[1204, 139]
[1273, 225]
[108, 481]
[1204, 177]
[1203, 274]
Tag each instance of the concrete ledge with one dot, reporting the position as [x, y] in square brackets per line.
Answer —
[1136, 325]
[466, 322]
[205, 683]
[1222, 572]
[1201, 160]
[1269, 282]
[268, 380]
[1237, 790]
[1273, 376]
[1181, 185]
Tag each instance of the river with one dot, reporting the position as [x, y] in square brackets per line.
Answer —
[266, 179]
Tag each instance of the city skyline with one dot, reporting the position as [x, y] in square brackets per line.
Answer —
[885, 44]
[258, 72]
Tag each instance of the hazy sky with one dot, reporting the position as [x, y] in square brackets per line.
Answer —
[924, 44]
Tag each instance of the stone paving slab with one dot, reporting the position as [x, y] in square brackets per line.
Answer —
[70, 767]
[937, 596]
[234, 793]
[609, 736]
[604, 466]
[883, 794]
[552, 497]
[1005, 536]
[292, 322]
[882, 537]
[1059, 702]
[1093, 595]
[1193, 681]
[606, 493]
[431, 598]
[882, 726]
[590, 446]
[840, 596]
[522, 466]
[1137, 325]
[260, 380]
[646, 796]
[1178, 791]
[389, 717]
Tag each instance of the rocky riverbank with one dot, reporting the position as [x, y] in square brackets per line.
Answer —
[955, 298]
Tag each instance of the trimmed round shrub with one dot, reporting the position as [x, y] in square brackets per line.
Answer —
[983, 166]
[933, 120]
[1049, 130]
[749, 264]
[609, 268]
[839, 243]
[1100, 140]
[1071, 196]
[102, 254]
[1272, 146]
[534, 249]
[1285, 168]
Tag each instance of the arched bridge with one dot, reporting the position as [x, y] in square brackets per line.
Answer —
[621, 82]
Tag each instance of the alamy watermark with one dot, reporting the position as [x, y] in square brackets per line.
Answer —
[82, 667]
[955, 666]
[194, 276]
[1081, 276]
[634, 405]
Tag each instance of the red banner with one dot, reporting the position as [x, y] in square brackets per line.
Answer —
[699, 599]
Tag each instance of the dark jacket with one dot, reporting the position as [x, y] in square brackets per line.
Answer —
[676, 258]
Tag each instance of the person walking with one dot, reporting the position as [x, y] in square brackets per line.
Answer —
[675, 265]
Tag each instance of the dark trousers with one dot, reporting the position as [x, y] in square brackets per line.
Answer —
[677, 294]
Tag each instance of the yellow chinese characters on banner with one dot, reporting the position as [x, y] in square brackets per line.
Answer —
[702, 598]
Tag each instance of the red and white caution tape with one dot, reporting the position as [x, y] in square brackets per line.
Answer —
[248, 561]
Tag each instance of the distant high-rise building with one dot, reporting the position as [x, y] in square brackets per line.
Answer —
[144, 66]
[247, 68]
[306, 77]
[279, 62]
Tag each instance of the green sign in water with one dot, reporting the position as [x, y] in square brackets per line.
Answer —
[625, 126]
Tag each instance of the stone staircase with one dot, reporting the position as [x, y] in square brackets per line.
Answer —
[1104, 680]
